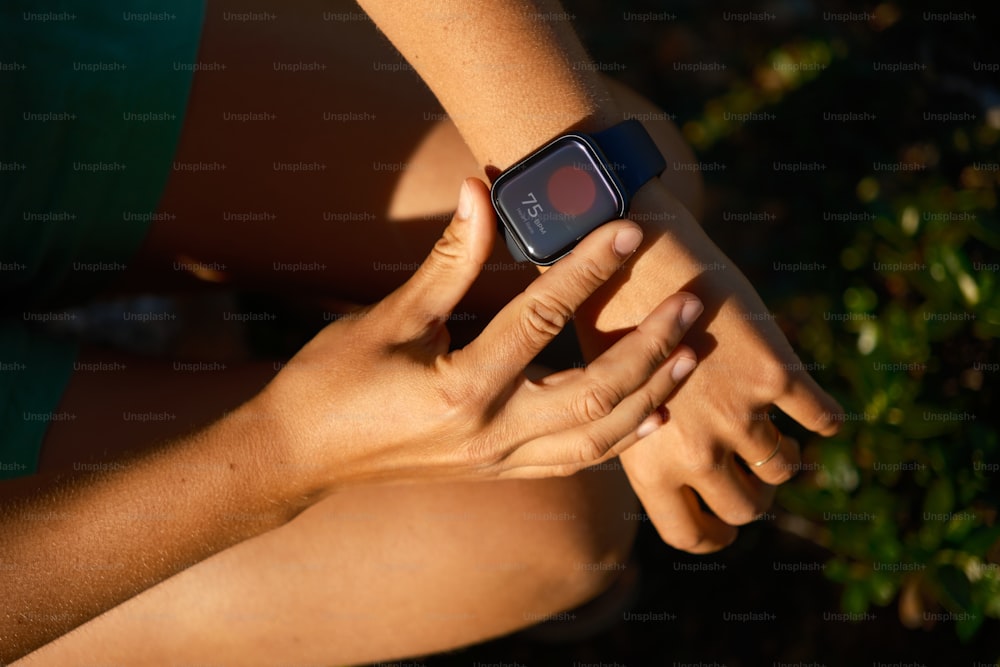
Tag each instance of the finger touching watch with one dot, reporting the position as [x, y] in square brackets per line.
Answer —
[550, 200]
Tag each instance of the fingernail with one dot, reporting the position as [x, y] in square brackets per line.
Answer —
[690, 311]
[464, 210]
[626, 241]
[682, 368]
[649, 424]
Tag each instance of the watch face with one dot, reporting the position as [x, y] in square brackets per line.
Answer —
[555, 197]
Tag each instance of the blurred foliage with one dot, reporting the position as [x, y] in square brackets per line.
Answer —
[901, 324]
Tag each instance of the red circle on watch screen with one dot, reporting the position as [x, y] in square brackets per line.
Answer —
[571, 190]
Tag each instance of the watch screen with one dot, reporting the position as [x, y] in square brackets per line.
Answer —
[555, 198]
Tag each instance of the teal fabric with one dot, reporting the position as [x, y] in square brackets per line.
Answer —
[33, 375]
[92, 101]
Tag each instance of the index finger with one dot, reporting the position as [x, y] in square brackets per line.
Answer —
[533, 318]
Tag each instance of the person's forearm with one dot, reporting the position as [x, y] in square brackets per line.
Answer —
[95, 540]
[511, 74]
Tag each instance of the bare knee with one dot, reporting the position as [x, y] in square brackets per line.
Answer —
[588, 535]
[429, 184]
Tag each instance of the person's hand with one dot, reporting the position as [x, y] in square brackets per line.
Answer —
[378, 396]
[717, 428]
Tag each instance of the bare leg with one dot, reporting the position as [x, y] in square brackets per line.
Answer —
[368, 574]
[373, 575]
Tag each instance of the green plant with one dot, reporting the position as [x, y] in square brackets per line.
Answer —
[902, 322]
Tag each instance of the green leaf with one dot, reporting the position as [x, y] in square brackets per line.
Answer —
[854, 599]
[960, 526]
[939, 501]
[982, 540]
[955, 586]
[837, 570]
[882, 588]
[966, 625]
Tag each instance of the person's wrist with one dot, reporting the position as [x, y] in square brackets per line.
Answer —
[669, 259]
[604, 116]
[601, 113]
[660, 214]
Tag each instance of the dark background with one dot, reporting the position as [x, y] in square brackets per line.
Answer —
[940, 321]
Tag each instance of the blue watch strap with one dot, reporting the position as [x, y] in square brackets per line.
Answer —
[632, 154]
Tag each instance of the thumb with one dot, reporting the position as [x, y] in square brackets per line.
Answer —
[453, 265]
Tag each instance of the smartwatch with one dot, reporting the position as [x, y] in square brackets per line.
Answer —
[550, 200]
